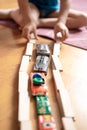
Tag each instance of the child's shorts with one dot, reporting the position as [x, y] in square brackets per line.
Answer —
[46, 6]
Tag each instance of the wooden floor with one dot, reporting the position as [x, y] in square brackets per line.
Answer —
[74, 61]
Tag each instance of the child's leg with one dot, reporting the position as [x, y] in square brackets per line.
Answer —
[15, 14]
[75, 19]
[5, 13]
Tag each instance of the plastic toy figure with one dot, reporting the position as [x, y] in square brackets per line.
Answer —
[38, 79]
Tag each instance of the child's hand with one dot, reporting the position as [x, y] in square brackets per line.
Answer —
[28, 29]
[61, 27]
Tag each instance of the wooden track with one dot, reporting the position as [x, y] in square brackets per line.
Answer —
[74, 61]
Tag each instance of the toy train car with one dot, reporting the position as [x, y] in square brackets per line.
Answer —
[42, 59]
[46, 122]
[41, 64]
[43, 105]
[43, 49]
[38, 86]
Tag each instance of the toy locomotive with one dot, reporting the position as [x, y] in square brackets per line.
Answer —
[42, 59]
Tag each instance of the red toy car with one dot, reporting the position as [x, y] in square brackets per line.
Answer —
[40, 87]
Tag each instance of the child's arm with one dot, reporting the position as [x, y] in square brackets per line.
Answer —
[64, 10]
[62, 18]
[29, 22]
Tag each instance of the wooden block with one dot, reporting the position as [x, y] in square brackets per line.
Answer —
[24, 105]
[33, 41]
[62, 96]
[23, 82]
[56, 49]
[25, 125]
[59, 35]
[32, 36]
[58, 80]
[24, 64]
[66, 104]
[29, 49]
[68, 124]
[56, 63]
